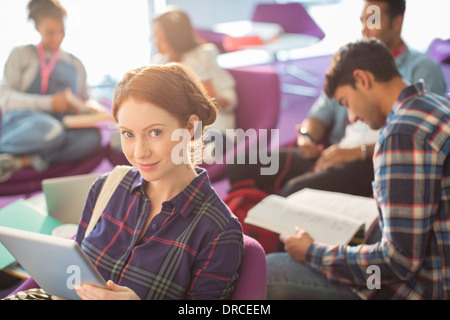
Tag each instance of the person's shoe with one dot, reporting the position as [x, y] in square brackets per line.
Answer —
[8, 165]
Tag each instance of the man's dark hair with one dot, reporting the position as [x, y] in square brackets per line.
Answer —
[371, 55]
[396, 7]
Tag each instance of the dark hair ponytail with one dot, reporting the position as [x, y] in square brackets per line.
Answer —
[38, 9]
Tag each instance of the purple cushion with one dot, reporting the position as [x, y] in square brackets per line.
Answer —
[211, 37]
[116, 158]
[252, 281]
[28, 180]
[259, 96]
[25, 285]
[439, 50]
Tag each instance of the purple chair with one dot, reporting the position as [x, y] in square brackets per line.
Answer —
[439, 50]
[258, 90]
[252, 282]
[116, 158]
[209, 36]
[25, 285]
[292, 17]
[27, 181]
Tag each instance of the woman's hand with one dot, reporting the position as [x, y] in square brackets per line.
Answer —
[113, 292]
[61, 104]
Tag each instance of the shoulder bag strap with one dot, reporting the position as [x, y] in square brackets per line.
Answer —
[110, 185]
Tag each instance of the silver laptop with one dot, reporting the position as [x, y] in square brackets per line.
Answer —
[56, 264]
[65, 196]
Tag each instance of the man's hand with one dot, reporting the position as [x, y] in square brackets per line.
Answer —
[310, 150]
[334, 155]
[113, 292]
[298, 244]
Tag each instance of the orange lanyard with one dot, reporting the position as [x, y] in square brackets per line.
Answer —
[46, 68]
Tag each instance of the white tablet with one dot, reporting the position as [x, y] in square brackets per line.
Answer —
[56, 264]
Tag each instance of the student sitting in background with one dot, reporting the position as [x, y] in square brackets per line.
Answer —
[176, 42]
[36, 93]
[331, 155]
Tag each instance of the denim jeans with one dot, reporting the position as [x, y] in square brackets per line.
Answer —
[43, 138]
[291, 280]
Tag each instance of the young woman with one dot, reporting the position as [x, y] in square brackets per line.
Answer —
[165, 234]
[175, 39]
[35, 95]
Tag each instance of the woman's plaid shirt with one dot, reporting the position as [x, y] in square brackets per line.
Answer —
[191, 250]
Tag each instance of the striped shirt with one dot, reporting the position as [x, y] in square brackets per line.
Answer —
[191, 250]
[412, 189]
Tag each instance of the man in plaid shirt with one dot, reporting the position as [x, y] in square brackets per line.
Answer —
[411, 187]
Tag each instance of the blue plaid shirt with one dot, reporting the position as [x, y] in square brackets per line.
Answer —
[412, 188]
[191, 250]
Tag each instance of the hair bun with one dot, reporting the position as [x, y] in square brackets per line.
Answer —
[45, 8]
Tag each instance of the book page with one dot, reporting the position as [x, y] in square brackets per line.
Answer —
[355, 207]
[280, 215]
[86, 120]
[76, 102]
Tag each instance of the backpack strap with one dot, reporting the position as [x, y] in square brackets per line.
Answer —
[110, 185]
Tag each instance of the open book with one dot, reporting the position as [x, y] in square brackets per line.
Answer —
[91, 114]
[87, 120]
[329, 217]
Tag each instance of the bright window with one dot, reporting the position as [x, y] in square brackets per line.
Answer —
[109, 36]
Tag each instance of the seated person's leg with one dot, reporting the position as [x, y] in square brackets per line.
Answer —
[291, 164]
[291, 280]
[351, 178]
[26, 132]
[79, 144]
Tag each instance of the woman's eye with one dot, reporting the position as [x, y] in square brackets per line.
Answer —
[127, 134]
[155, 133]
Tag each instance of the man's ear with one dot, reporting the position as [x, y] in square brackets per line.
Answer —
[194, 126]
[362, 78]
[397, 24]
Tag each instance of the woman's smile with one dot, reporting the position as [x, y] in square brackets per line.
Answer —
[147, 166]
